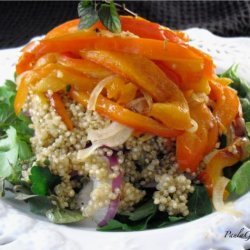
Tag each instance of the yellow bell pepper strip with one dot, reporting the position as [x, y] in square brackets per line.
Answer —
[115, 112]
[174, 112]
[65, 76]
[57, 104]
[127, 94]
[191, 147]
[86, 67]
[136, 25]
[172, 115]
[226, 157]
[227, 104]
[153, 49]
[21, 96]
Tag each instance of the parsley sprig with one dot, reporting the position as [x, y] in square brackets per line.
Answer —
[105, 11]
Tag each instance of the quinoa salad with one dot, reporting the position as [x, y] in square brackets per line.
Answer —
[124, 124]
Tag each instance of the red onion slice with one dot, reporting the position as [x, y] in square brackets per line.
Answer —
[116, 183]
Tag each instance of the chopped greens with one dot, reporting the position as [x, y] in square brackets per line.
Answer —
[147, 216]
[42, 180]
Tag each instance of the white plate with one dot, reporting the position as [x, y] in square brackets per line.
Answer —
[19, 229]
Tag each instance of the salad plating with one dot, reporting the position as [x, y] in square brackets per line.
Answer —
[124, 122]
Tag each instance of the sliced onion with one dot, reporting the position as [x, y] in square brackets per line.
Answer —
[114, 204]
[106, 213]
[97, 91]
[117, 139]
[100, 134]
[218, 194]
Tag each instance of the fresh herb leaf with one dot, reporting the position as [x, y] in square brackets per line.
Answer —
[42, 180]
[109, 17]
[240, 183]
[87, 13]
[64, 216]
[199, 203]
[68, 88]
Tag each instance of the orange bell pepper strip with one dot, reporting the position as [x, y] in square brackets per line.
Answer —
[227, 104]
[127, 94]
[115, 112]
[65, 76]
[174, 112]
[136, 25]
[25, 62]
[221, 159]
[58, 105]
[191, 147]
[153, 49]
[21, 96]
[85, 67]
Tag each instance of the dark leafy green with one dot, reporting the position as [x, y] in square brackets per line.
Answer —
[240, 183]
[147, 216]
[147, 209]
[42, 180]
[1, 187]
[109, 17]
[199, 203]
[64, 216]
[88, 14]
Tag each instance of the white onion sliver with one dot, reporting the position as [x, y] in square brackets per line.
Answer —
[112, 141]
[85, 153]
[97, 90]
[218, 194]
[100, 134]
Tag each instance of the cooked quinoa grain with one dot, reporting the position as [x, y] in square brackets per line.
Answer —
[145, 161]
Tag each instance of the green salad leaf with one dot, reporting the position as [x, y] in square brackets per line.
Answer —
[42, 180]
[240, 182]
[199, 203]
[64, 216]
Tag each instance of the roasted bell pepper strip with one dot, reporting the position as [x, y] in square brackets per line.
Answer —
[65, 76]
[153, 49]
[25, 62]
[191, 147]
[141, 71]
[21, 96]
[226, 157]
[127, 94]
[124, 116]
[58, 105]
[86, 67]
[227, 104]
[136, 25]
[173, 116]
[174, 112]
